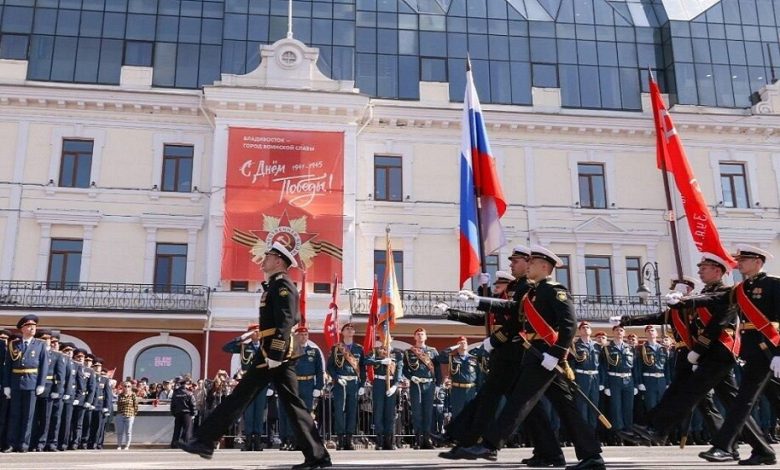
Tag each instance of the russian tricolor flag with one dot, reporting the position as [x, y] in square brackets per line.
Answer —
[482, 200]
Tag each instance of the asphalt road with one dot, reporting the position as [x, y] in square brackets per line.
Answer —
[635, 458]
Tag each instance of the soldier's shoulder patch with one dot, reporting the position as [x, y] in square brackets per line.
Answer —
[283, 292]
[561, 295]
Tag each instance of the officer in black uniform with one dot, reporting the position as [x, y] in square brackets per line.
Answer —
[83, 395]
[182, 409]
[25, 370]
[91, 403]
[550, 323]
[59, 372]
[103, 403]
[278, 315]
[62, 436]
[506, 357]
[44, 402]
[4, 335]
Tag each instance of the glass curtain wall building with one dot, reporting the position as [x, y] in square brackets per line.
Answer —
[598, 52]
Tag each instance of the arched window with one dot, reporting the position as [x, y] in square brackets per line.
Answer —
[162, 362]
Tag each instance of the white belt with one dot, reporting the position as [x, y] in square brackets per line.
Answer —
[653, 374]
[620, 374]
[421, 380]
[586, 372]
[380, 377]
[348, 378]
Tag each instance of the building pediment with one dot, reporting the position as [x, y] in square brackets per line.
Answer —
[288, 64]
[598, 225]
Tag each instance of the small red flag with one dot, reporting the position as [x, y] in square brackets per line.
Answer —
[331, 327]
[671, 157]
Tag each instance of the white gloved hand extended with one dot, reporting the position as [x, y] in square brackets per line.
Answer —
[441, 306]
[316, 393]
[342, 381]
[636, 390]
[7, 392]
[66, 397]
[391, 391]
[774, 366]
[39, 389]
[75, 402]
[105, 410]
[549, 361]
[693, 357]
[484, 279]
[694, 367]
[246, 335]
[615, 319]
[386, 361]
[415, 379]
[269, 392]
[607, 392]
[641, 388]
[361, 391]
[54, 395]
[468, 296]
[673, 298]
[487, 345]
[601, 388]
[271, 363]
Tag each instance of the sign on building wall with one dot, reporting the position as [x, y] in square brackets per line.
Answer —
[285, 186]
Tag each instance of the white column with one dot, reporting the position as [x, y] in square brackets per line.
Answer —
[149, 254]
[44, 247]
[14, 203]
[86, 253]
[619, 279]
[578, 276]
[216, 211]
[192, 246]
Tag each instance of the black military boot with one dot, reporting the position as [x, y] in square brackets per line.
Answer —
[348, 444]
[257, 442]
[378, 442]
[416, 442]
[340, 442]
[247, 445]
[426, 442]
[388, 443]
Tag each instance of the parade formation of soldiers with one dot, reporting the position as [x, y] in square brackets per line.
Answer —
[55, 396]
[540, 377]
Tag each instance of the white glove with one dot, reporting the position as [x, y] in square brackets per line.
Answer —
[66, 397]
[693, 368]
[271, 363]
[487, 345]
[549, 362]
[673, 298]
[75, 402]
[91, 407]
[386, 361]
[693, 357]
[442, 306]
[641, 388]
[246, 335]
[615, 319]
[39, 389]
[415, 379]
[607, 392]
[342, 382]
[316, 393]
[105, 410]
[484, 279]
[361, 391]
[391, 391]
[468, 296]
[7, 392]
[269, 392]
[54, 395]
[775, 366]
[601, 388]
[635, 391]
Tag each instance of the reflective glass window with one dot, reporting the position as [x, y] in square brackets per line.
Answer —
[407, 42]
[545, 76]
[91, 23]
[521, 82]
[387, 41]
[68, 22]
[64, 263]
[87, 60]
[13, 46]
[590, 92]
[570, 86]
[630, 89]
[168, 28]
[138, 53]
[609, 80]
[163, 362]
[110, 61]
[543, 50]
[500, 82]
[45, 21]
[17, 19]
[164, 64]
[114, 25]
[141, 27]
[433, 69]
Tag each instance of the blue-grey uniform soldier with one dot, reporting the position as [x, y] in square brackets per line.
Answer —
[102, 404]
[59, 429]
[588, 374]
[91, 404]
[387, 370]
[310, 373]
[45, 402]
[654, 371]
[247, 346]
[421, 368]
[463, 375]
[84, 393]
[25, 377]
[621, 380]
[347, 367]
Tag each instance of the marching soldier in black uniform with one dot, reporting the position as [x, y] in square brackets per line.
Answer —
[347, 367]
[26, 368]
[59, 372]
[4, 335]
[550, 325]
[278, 315]
[62, 437]
[711, 358]
[506, 357]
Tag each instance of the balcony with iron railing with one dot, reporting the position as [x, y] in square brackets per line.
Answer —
[419, 304]
[103, 296]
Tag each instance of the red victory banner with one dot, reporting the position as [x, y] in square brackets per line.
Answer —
[285, 186]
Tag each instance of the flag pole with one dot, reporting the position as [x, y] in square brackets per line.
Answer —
[389, 313]
[669, 207]
[474, 165]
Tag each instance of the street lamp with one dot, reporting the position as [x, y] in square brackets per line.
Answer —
[650, 273]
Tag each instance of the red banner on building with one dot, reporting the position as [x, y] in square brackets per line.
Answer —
[285, 186]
